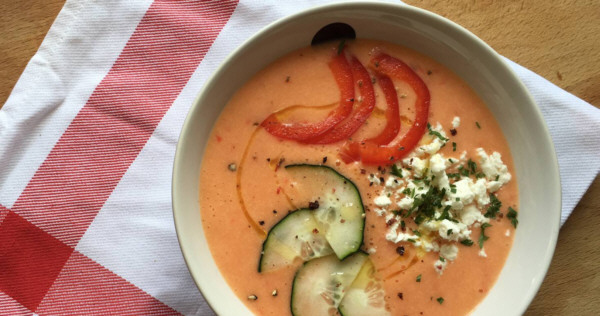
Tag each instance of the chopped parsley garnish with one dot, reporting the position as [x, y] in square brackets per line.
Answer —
[449, 232]
[397, 212]
[436, 133]
[472, 166]
[453, 148]
[442, 259]
[445, 214]
[419, 278]
[402, 224]
[483, 237]
[479, 175]
[494, 207]
[497, 177]
[453, 190]
[440, 300]
[341, 46]
[467, 242]
[512, 215]
[416, 232]
[477, 123]
[396, 171]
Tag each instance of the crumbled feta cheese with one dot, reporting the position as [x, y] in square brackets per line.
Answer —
[372, 250]
[507, 233]
[449, 251]
[470, 214]
[479, 189]
[463, 195]
[482, 253]
[374, 179]
[463, 156]
[437, 164]
[493, 186]
[440, 266]
[392, 182]
[455, 122]
[382, 201]
[406, 202]
[380, 211]
[453, 231]
[492, 166]
[417, 164]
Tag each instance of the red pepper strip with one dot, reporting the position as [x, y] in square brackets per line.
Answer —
[302, 131]
[346, 128]
[372, 153]
[392, 113]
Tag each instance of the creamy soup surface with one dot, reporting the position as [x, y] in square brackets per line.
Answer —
[242, 158]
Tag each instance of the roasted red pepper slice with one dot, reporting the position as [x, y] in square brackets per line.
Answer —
[342, 73]
[346, 128]
[392, 112]
[371, 153]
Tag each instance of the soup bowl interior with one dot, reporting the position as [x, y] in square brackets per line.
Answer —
[451, 45]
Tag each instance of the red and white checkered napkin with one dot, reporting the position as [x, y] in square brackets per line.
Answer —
[87, 140]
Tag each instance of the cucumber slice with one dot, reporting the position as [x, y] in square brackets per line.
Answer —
[366, 296]
[320, 284]
[340, 213]
[295, 236]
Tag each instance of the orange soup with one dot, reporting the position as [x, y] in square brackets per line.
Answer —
[412, 167]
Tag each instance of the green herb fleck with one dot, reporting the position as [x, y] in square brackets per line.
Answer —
[341, 47]
[472, 166]
[396, 171]
[449, 232]
[416, 232]
[494, 207]
[419, 278]
[436, 133]
[477, 123]
[512, 215]
[453, 148]
[442, 259]
[402, 224]
[483, 237]
[411, 240]
[467, 242]
[497, 177]
[440, 300]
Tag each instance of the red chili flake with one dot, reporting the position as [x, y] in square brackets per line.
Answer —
[371, 184]
[261, 222]
[439, 267]
[274, 211]
[381, 180]
[501, 215]
[313, 205]
[219, 139]
[342, 220]
[268, 159]
[400, 250]
[453, 132]
[278, 190]
[363, 171]
[332, 190]
[400, 296]
[480, 290]
[378, 168]
[383, 171]
[390, 222]
[325, 159]
[315, 231]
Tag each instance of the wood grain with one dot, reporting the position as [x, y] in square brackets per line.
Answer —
[559, 40]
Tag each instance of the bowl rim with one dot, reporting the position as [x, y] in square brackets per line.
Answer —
[409, 10]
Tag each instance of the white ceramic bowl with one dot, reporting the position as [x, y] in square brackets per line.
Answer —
[448, 43]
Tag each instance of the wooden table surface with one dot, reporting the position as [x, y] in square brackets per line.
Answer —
[560, 40]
